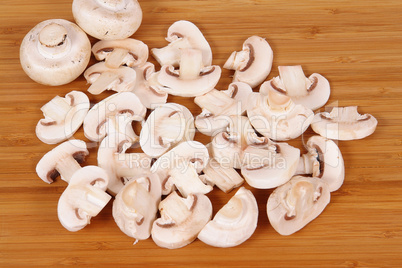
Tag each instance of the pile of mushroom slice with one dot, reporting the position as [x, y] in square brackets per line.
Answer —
[162, 192]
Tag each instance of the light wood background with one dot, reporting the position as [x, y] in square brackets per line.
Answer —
[357, 45]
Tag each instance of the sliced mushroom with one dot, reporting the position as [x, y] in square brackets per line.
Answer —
[324, 161]
[63, 117]
[83, 198]
[312, 92]
[63, 160]
[293, 205]
[224, 178]
[252, 64]
[182, 34]
[344, 123]
[181, 220]
[179, 168]
[277, 117]
[192, 79]
[55, 52]
[104, 78]
[269, 165]
[120, 166]
[136, 206]
[234, 223]
[218, 105]
[168, 125]
[129, 52]
[114, 114]
[108, 19]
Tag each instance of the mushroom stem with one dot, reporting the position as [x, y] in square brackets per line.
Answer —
[171, 128]
[237, 60]
[190, 63]
[122, 124]
[294, 80]
[305, 165]
[53, 40]
[67, 166]
[102, 82]
[116, 57]
[216, 102]
[97, 200]
[169, 54]
[174, 209]
[278, 101]
[56, 109]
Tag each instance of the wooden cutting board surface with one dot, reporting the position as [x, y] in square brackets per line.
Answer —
[357, 45]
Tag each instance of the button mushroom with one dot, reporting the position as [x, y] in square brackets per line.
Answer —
[218, 105]
[55, 52]
[108, 19]
[63, 117]
[168, 125]
[114, 114]
[293, 205]
[344, 123]
[234, 223]
[324, 161]
[181, 220]
[63, 160]
[312, 92]
[192, 79]
[83, 198]
[182, 34]
[136, 206]
[277, 117]
[253, 64]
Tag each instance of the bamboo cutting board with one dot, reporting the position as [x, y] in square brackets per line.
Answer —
[357, 45]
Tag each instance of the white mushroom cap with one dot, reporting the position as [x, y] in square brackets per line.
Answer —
[252, 64]
[234, 223]
[218, 105]
[103, 78]
[120, 166]
[277, 117]
[182, 34]
[192, 79]
[114, 114]
[136, 206]
[63, 117]
[324, 161]
[344, 123]
[108, 19]
[63, 160]
[269, 165]
[181, 220]
[168, 125]
[55, 52]
[83, 198]
[293, 205]
[312, 92]
[130, 52]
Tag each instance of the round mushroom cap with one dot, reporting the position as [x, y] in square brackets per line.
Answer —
[108, 19]
[55, 52]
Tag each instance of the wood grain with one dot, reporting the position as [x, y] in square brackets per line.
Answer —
[357, 45]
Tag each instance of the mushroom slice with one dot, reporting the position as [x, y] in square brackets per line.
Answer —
[234, 223]
[63, 117]
[182, 34]
[55, 52]
[312, 92]
[269, 165]
[104, 78]
[149, 94]
[293, 205]
[181, 220]
[136, 206]
[130, 52]
[83, 198]
[168, 125]
[120, 166]
[192, 79]
[225, 179]
[108, 19]
[277, 117]
[180, 167]
[344, 123]
[218, 105]
[324, 161]
[63, 160]
[252, 64]
[114, 114]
